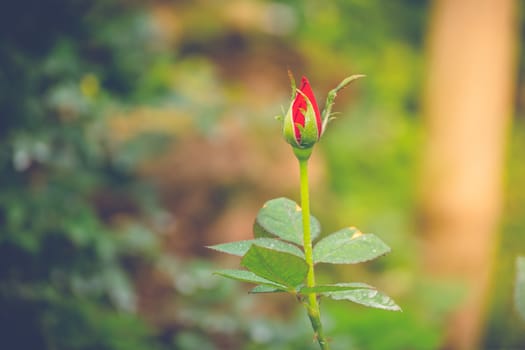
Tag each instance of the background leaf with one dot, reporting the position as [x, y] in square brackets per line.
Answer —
[367, 297]
[240, 248]
[283, 268]
[349, 246]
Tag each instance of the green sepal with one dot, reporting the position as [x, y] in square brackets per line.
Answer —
[292, 84]
[330, 98]
[288, 128]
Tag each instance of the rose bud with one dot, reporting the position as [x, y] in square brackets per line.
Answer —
[302, 124]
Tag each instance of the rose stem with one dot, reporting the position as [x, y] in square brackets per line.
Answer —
[312, 305]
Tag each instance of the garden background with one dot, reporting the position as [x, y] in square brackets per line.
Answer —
[135, 133]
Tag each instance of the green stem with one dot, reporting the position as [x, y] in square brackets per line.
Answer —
[312, 305]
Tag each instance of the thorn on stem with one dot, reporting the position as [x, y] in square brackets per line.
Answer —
[316, 338]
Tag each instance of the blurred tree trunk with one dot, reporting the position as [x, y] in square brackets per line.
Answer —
[468, 100]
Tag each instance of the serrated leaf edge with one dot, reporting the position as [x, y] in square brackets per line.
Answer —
[394, 307]
[294, 249]
[258, 280]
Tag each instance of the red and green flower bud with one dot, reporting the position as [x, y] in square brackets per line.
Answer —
[302, 124]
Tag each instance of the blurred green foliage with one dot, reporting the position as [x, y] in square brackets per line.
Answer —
[64, 284]
[75, 219]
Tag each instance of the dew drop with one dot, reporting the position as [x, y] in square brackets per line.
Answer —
[372, 293]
